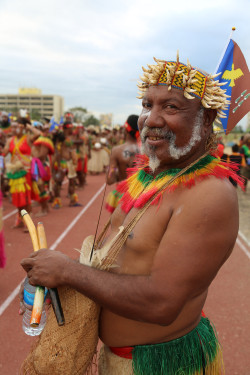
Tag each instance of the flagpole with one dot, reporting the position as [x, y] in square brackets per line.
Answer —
[224, 51]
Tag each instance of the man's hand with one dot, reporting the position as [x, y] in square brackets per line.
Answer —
[46, 268]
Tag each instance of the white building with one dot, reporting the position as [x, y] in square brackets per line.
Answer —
[33, 100]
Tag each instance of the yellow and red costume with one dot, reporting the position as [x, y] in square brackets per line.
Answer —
[22, 188]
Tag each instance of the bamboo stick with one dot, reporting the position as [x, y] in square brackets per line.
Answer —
[55, 300]
[39, 241]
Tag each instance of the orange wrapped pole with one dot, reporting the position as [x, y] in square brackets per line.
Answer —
[39, 295]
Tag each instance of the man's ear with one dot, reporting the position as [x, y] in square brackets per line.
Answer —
[209, 117]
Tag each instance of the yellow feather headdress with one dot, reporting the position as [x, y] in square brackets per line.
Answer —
[192, 81]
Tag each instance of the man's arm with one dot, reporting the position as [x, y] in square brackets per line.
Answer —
[6, 147]
[35, 133]
[198, 239]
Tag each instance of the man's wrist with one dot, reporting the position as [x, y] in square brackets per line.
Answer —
[67, 271]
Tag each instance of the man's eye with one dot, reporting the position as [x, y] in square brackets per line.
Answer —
[146, 105]
[171, 106]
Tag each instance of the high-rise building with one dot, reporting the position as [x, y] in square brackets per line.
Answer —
[34, 101]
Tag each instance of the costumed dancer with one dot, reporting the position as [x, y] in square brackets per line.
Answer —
[79, 142]
[65, 163]
[122, 157]
[42, 150]
[5, 125]
[96, 163]
[22, 188]
[166, 243]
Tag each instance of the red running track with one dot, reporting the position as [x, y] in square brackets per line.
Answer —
[228, 302]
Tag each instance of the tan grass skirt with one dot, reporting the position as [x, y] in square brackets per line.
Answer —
[111, 364]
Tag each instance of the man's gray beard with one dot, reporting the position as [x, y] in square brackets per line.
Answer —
[154, 162]
[174, 151]
[177, 152]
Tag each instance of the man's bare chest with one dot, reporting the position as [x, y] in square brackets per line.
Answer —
[137, 254]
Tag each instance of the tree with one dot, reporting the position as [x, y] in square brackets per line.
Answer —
[79, 113]
[78, 109]
[238, 129]
[35, 115]
[91, 120]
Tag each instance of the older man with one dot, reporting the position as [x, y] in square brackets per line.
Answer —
[151, 320]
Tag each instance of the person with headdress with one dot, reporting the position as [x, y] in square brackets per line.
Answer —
[122, 158]
[65, 163]
[80, 139]
[41, 165]
[166, 243]
[22, 188]
[5, 124]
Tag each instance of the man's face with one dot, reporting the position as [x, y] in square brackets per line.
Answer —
[170, 125]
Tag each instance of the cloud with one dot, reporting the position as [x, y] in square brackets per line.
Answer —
[91, 52]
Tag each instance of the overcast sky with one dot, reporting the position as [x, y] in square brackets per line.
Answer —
[91, 51]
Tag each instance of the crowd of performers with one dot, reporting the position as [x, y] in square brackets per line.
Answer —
[35, 159]
[240, 155]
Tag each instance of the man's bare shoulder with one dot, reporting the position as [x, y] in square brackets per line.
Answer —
[117, 149]
[210, 206]
[212, 191]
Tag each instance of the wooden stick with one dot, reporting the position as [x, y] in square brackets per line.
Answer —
[55, 300]
[31, 228]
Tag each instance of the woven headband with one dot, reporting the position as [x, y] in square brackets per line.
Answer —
[193, 82]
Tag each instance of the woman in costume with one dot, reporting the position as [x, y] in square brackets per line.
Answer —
[22, 188]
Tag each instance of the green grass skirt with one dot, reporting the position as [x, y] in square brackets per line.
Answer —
[196, 353]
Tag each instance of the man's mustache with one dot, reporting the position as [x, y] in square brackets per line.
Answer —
[156, 132]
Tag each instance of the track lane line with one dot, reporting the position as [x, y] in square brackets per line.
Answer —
[244, 238]
[13, 295]
[243, 248]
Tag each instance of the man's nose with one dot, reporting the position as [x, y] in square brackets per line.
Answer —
[154, 119]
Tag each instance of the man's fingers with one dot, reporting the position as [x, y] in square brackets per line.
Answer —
[22, 309]
[21, 291]
[27, 263]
